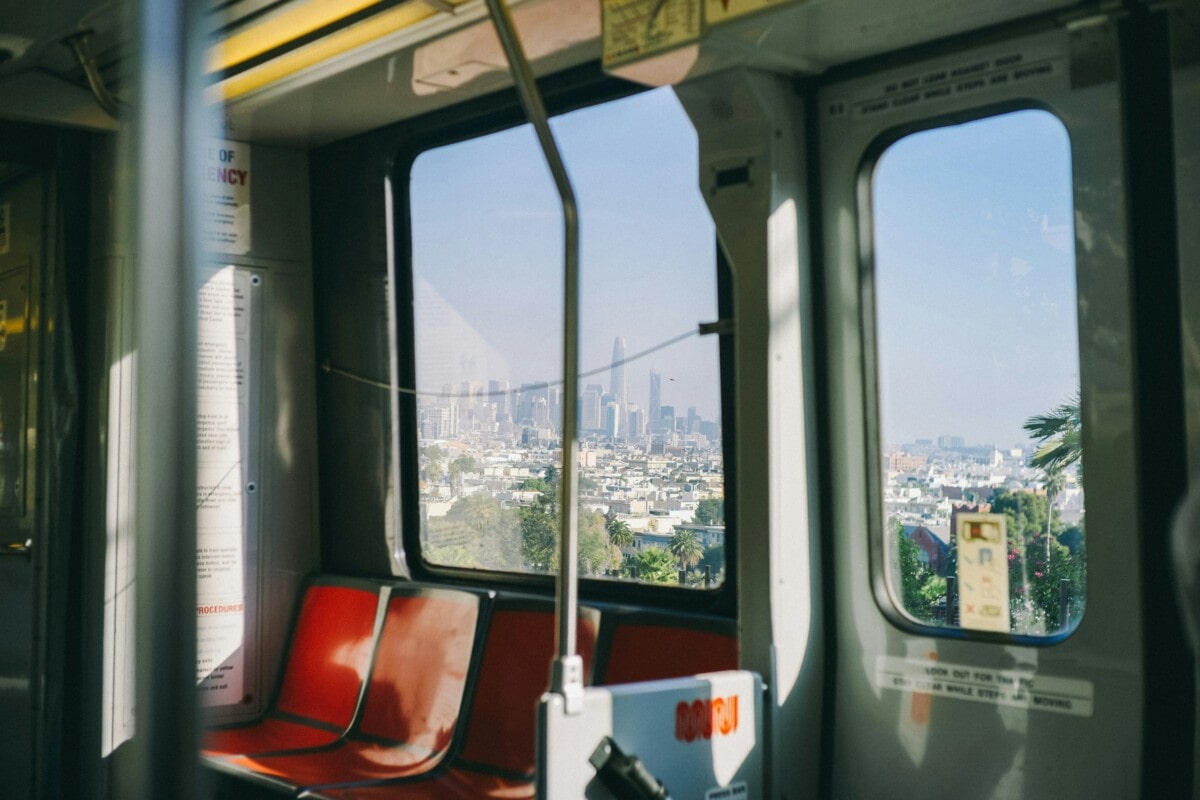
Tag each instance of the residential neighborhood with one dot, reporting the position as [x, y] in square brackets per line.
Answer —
[651, 480]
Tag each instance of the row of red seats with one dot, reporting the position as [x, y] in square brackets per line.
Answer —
[410, 691]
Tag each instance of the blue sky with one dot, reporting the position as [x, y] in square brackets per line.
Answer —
[975, 279]
[974, 250]
[487, 252]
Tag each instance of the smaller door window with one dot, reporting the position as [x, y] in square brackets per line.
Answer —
[977, 359]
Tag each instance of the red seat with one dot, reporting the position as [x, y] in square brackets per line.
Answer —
[641, 647]
[412, 703]
[515, 672]
[498, 754]
[328, 658]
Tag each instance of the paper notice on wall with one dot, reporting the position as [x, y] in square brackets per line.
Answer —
[220, 630]
[983, 572]
[225, 175]
[222, 445]
[636, 28]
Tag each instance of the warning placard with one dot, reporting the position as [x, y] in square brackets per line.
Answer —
[225, 175]
[1017, 688]
[636, 28]
[222, 480]
[983, 572]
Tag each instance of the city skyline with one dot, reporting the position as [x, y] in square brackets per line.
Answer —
[489, 304]
[540, 404]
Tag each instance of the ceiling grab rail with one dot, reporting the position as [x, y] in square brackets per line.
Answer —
[566, 672]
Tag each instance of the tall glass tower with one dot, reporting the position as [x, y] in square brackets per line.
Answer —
[617, 373]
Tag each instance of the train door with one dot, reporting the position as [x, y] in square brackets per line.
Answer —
[39, 190]
[22, 207]
[986, 325]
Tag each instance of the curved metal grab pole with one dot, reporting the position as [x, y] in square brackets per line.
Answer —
[566, 673]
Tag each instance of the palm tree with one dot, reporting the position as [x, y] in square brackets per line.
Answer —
[1053, 484]
[1059, 434]
[619, 532]
[656, 565]
[481, 511]
[686, 547]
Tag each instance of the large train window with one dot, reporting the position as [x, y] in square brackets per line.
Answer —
[487, 304]
[976, 342]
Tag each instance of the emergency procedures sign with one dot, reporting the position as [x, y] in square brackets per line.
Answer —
[225, 176]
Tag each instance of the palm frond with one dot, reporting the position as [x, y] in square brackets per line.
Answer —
[1060, 434]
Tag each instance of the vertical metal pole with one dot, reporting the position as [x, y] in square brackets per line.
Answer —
[168, 128]
[566, 674]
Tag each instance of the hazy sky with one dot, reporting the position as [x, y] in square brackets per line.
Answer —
[975, 277]
[974, 265]
[487, 253]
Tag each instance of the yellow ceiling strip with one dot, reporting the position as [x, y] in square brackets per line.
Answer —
[323, 49]
[279, 29]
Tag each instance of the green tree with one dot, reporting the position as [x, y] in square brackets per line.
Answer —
[1060, 435]
[686, 546]
[434, 456]
[910, 574]
[1053, 484]
[1072, 539]
[495, 535]
[933, 590]
[619, 532]
[539, 536]
[458, 466]
[710, 511]
[540, 525]
[714, 559]
[535, 485]
[656, 565]
[596, 552]
[1038, 563]
[480, 511]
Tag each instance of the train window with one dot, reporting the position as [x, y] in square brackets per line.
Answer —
[978, 376]
[488, 324]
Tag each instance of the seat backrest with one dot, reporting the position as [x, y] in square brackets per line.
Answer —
[417, 683]
[330, 653]
[650, 647]
[514, 673]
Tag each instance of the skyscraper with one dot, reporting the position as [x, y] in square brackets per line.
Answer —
[655, 400]
[617, 372]
[498, 394]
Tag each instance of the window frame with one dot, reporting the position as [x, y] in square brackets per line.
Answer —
[886, 599]
[562, 93]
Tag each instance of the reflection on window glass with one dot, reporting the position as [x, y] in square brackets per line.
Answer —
[978, 363]
[487, 279]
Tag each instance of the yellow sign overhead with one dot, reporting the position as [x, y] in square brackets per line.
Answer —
[983, 572]
[718, 11]
[636, 28]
